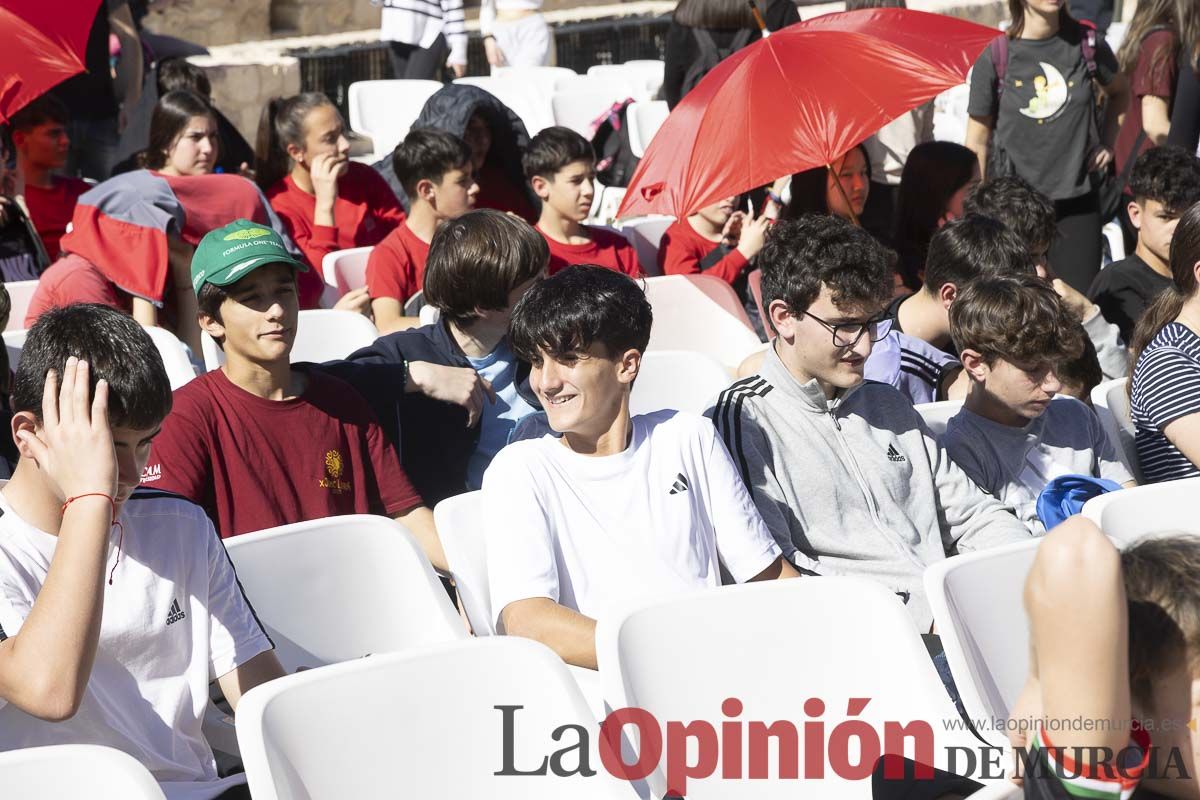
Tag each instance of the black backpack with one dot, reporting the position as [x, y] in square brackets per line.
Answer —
[711, 55]
[615, 161]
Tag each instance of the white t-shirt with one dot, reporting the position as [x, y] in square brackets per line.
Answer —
[598, 533]
[174, 620]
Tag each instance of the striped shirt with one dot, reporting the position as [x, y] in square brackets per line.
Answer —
[1054, 773]
[418, 22]
[1166, 387]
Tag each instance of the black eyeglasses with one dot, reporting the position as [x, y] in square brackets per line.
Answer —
[848, 334]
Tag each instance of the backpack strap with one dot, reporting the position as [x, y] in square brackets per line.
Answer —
[998, 49]
[1087, 46]
[708, 48]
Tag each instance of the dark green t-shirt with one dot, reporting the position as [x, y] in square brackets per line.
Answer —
[1046, 119]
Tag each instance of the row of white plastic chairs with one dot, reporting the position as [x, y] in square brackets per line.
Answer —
[540, 96]
[425, 713]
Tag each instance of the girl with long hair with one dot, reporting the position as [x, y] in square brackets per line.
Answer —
[326, 201]
[1039, 121]
[183, 136]
[816, 191]
[936, 180]
[1165, 387]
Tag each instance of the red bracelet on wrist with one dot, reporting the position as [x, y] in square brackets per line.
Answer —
[115, 522]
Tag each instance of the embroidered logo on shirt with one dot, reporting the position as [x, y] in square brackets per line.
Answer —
[333, 468]
[894, 454]
[680, 484]
[151, 473]
[175, 614]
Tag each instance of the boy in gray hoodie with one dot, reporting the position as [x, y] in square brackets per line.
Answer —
[843, 470]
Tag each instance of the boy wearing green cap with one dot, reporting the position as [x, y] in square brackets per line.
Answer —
[261, 442]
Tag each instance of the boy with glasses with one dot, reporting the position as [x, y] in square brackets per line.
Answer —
[844, 471]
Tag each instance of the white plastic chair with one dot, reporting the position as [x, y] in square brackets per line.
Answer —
[677, 379]
[174, 356]
[543, 79]
[976, 599]
[644, 77]
[340, 588]
[700, 313]
[605, 203]
[346, 269]
[14, 341]
[1131, 514]
[385, 110]
[578, 109]
[420, 724]
[645, 234]
[1110, 400]
[1116, 240]
[71, 771]
[20, 293]
[460, 528]
[326, 334]
[937, 415]
[523, 99]
[645, 118]
[773, 646]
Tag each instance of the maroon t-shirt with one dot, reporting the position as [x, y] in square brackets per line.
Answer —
[253, 463]
[1158, 49]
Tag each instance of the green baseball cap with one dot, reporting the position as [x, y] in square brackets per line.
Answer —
[228, 254]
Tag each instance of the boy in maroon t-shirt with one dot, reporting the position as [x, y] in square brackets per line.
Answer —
[560, 165]
[434, 167]
[39, 135]
[259, 443]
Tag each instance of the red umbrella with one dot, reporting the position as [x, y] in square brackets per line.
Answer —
[42, 43]
[799, 99]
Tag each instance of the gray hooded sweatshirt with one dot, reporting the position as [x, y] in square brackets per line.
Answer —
[856, 485]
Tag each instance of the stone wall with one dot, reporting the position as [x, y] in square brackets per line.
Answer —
[220, 22]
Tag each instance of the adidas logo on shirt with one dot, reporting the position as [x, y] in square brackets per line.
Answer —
[894, 454]
[175, 614]
[680, 484]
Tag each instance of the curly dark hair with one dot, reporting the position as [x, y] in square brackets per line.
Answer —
[578, 307]
[1168, 174]
[1028, 212]
[1018, 318]
[801, 254]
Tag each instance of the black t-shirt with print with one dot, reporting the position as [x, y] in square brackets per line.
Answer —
[1124, 290]
[1046, 116]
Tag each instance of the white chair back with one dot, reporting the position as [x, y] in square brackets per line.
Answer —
[645, 234]
[579, 108]
[20, 294]
[460, 528]
[543, 80]
[605, 203]
[174, 356]
[774, 646]
[346, 269]
[645, 119]
[1131, 514]
[14, 341]
[340, 588]
[700, 313]
[385, 110]
[643, 78]
[71, 771]
[977, 606]
[937, 415]
[1110, 400]
[326, 334]
[682, 380]
[420, 724]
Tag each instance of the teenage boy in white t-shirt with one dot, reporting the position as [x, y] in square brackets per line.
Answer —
[616, 509]
[117, 607]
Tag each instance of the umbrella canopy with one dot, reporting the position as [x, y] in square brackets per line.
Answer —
[41, 45]
[799, 99]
